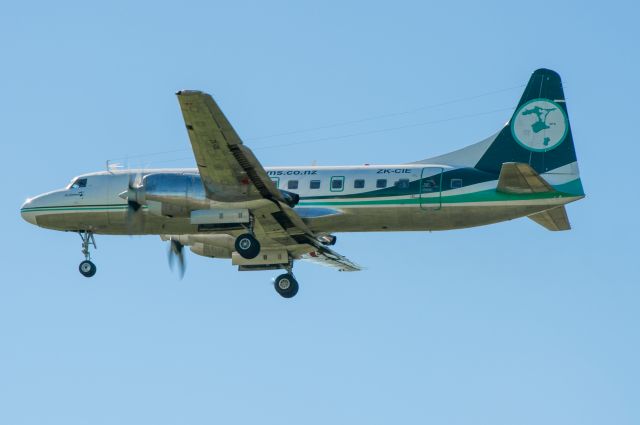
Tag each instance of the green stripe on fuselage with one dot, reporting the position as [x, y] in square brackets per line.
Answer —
[112, 207]
[567, 190]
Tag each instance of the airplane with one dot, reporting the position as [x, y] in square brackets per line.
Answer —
[265, 218]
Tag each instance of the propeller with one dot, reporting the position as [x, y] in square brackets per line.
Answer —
[176, 254]
[135, 197]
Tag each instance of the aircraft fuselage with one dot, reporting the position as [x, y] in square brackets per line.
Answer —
[405, 197]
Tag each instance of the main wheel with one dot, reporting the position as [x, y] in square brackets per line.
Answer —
[87, 268]
[286, 285]
[247, 246]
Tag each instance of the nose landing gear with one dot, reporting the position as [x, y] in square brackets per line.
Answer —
[87, 268]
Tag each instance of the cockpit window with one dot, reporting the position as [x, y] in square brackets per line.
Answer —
[78, 183]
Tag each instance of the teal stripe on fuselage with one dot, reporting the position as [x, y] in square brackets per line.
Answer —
[569, 189]
[106, 207]
[574, 188]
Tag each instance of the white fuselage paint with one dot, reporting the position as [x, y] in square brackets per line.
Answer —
[332, 199]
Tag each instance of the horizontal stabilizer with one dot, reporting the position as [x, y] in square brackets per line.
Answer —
[520, 178]
[554, 219]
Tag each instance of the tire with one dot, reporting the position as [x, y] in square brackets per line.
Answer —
[286, 285]
[247, 246]
[87, 268]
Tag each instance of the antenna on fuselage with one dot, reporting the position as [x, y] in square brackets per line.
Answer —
[114, 166]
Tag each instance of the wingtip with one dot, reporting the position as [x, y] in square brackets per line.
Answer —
[546, 71]
[188, 92]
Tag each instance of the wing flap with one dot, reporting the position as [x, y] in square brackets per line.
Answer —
[554, 219]
[329, 258]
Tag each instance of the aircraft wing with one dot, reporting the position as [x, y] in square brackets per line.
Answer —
[230, 172]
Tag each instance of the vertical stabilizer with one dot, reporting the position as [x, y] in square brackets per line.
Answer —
[538, 134]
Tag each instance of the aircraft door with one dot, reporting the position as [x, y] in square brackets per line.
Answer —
[431, 188]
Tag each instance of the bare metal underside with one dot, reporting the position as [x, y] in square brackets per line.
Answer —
[378, 219]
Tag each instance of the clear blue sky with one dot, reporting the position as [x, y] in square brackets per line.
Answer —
[506, 324]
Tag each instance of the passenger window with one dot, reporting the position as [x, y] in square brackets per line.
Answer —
[380, 183]
[402, 184]
[314, 184]
[337, 184]
[456, 183]
[292, 184]
[79, 183]
[358, 183]
[428, 185]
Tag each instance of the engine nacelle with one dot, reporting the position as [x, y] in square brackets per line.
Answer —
[211, 251]
[169, 194]
[177, 195]
[215, 246]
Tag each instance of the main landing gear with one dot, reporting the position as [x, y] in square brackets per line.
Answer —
[286, 285]
[87, 268]
[247, 245]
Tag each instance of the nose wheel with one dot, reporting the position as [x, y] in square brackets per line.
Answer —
[87, 268]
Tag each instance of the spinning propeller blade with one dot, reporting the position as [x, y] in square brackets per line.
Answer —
[176, 254]
[134, 215]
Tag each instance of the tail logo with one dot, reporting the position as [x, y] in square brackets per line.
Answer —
[539, 125]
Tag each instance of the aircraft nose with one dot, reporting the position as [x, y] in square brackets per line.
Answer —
[27, 214]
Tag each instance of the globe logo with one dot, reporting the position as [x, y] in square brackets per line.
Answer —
[539, 125]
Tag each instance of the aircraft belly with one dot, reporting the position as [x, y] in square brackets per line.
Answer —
[416, 219]
[73, 220]
[151, 225]
[350, 219]
[113, 223]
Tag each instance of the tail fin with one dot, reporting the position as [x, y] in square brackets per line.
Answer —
[538, 134]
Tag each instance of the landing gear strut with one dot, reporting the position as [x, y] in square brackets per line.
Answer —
[87, 268]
